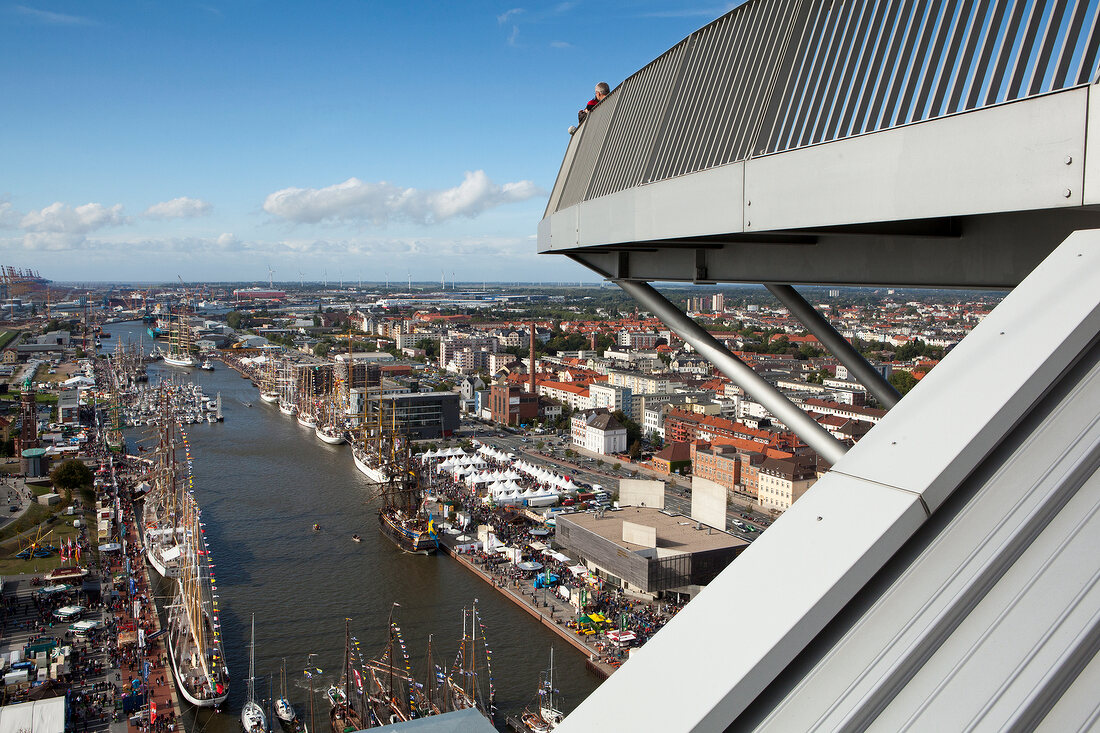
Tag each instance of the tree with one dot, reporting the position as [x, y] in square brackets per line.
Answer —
[903, 381]
[633, 430]
[635, 450]
[316, 321]
[233, 319]
[70, 475]
[321, 349]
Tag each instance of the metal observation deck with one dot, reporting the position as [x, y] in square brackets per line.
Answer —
[943, 574]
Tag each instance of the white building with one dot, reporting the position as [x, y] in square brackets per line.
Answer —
[598, 432]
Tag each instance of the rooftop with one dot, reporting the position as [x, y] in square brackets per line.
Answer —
[674, 531]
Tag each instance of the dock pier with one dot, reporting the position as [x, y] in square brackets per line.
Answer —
[552, 620]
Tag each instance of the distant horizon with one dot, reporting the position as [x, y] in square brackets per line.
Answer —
[319, 141]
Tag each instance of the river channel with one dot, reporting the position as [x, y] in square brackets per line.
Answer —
[262, 481]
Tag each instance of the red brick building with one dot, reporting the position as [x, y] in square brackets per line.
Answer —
[511, 405]
[688, 427]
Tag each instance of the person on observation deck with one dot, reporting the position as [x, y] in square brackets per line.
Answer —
[602, 90]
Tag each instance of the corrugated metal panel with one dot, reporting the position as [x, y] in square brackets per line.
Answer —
[593, 134]
[643, 104]
[859, 67]
[988, 615]
[728, 72]
[775, 75]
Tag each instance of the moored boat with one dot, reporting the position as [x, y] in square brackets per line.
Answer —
[194, 643]
[252, 716]
[329, 435]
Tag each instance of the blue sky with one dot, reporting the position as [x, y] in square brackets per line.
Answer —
[212, 140]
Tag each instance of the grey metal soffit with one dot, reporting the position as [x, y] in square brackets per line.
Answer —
[776, 75]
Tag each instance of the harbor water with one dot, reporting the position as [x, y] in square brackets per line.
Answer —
[262, 481]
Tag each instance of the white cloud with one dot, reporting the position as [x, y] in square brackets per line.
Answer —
[503, 17]
[52, 18]
[61, 227]
[64, 219]
[183, 207]
[377, 203]
[9, 217]
[560, 44]
[513, 37]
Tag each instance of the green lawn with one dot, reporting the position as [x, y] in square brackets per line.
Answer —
[6, 337]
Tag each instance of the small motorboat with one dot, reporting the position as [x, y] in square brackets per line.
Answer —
[356, 538]
[316, 527]
[207, 366]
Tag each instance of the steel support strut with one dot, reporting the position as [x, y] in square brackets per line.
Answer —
[742, 375]
[837, 345]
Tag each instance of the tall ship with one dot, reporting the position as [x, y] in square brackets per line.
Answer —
[470, 682]
[179, 341]
[399, 517]
[544, 714]
[351, 710]
[375, 449]
[160, 522]
[194, 644]
[306, 400]
[269, 391]
[389, 455]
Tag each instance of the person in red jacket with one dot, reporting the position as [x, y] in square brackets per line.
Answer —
[602, 90]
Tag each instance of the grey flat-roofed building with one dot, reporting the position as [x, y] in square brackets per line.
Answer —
[423, 415]
[687, 553]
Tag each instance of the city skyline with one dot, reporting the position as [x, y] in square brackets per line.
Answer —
[213, 142]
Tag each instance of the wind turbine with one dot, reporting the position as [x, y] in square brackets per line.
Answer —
[409, 272]
[270, 277]
[301, 279]
[452, 279]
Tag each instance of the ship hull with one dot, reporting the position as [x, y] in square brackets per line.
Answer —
[269, 397]
[201, 702]
[180, 361]
[374, 474]
[329, 437]
[412, 541]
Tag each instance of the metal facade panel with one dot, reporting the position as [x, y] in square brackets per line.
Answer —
[552, 204]
[643, 103]
[860, 67]
[1008, 509]
[1007, 158]
[1032, 629]
[1091, 168]
[728, 72]
[777, 75]
[593, 135]
[708, 202]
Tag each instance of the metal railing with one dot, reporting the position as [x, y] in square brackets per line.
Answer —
[776, 75]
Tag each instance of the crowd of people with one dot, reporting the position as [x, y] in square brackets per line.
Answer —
[514, 529]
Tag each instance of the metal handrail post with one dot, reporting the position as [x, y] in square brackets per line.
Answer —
[756, 386]
[837, 345]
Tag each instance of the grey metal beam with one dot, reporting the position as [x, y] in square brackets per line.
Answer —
[837, 345]
[756, 386]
